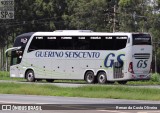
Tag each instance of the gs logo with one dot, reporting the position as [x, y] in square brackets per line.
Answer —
[142, 64]
[111, 57]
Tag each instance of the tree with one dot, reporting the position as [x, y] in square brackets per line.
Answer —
[96, 15]
[86, 14]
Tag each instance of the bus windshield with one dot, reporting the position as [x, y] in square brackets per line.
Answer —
[21, 41]
[141, 39]
[16, 55]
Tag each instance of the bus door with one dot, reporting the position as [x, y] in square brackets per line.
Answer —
[16, 57]
[14, 69]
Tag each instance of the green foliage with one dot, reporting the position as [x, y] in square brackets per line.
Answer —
[4, 74]
[86, 14]
[95, 91]
[155, 77]
[125, 3]
[49, 15]
[96, 15]
[80, 14]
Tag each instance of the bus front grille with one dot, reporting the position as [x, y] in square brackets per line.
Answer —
[141, 55]
[117, 70]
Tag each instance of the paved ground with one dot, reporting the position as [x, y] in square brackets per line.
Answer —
[34, 99]
[72, 105]
[81, 111]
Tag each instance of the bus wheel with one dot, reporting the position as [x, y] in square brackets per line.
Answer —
[102, 78]
[122, 82]
[30, 76]
[89, 77]
[50, 80]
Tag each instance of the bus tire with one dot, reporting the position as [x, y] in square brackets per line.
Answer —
[89, 77]
[102, 78]
[50, 80]
[30, 76]
[122, 82]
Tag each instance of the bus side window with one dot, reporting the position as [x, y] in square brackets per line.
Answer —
[65, 44]
[120, 42]
[51, 42]
[36, 44]
[81, 43]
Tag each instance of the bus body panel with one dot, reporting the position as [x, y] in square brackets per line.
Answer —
[73, 68]
[72, 64]
[141, 58]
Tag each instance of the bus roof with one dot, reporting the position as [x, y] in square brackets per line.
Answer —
[26, 34]
[75, 33]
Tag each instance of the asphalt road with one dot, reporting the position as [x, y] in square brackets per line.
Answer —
[72, 104]
[34, 99]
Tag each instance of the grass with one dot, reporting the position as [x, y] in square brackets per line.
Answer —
[4, 75]
[155, 80]
[95, 91]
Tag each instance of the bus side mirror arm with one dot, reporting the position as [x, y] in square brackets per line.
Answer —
[13, 48]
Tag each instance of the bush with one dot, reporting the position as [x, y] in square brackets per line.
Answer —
[155, 77]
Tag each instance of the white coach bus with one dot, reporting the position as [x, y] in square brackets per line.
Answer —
[82, 55]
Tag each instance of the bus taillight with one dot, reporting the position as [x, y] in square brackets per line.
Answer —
[130, 68]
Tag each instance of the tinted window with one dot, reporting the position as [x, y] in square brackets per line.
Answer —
[108, 43]
[78, 42]
[95, 43]
[120, 42]
[65, 43]
[37, 43]
[100, 42]
[21, 40]
[81, 43]
[141, 39]
[51, 42]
